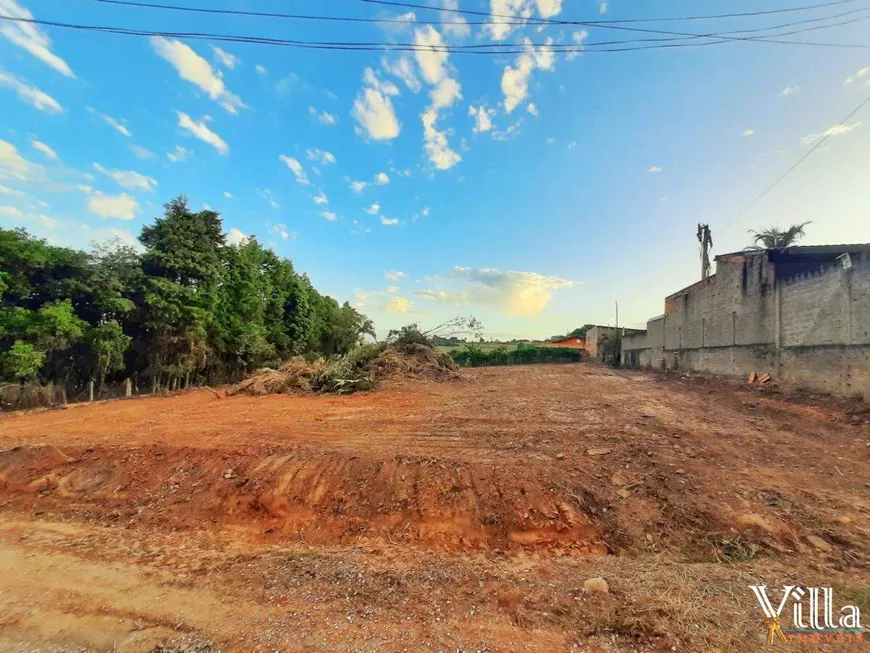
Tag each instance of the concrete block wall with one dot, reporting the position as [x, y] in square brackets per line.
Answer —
[728, 325]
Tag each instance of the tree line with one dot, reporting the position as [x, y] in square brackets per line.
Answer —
[188, 307]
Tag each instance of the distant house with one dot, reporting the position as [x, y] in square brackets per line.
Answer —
[571, 342]
[598, 334]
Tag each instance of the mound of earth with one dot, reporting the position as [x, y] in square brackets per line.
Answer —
[361, 369]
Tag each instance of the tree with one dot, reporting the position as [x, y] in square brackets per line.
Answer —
[108, 344]
[581, 332]
[22, 362]
[773, 238]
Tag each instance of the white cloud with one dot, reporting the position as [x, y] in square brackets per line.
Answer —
[201, 131]
[748, 132]
[789, 90]
[373, 108]
[382, 179]
[482, 118]
[117, 125]
[29, 37]
[603, 6]
[11, 211]
[321, 198]
[266, 194]
[515, 79]
[328, 215]
[45, 149]
[436, 145]
[5, 190]
[324, 117]
[196, 70]
[228, 195]
[122, 207]
[457, 26]
[30, 94]
[394, 275]
[15, 165]
[654, 169]
[283, 232]
[523, 294]
[316, 154]
[261, 69]
[861, 73]
[836, 130]
[358, 186]
[226, 59]
[446, 90]
[398, 305]
[373, 209]
[296, 168]
[389, 222]
[403, 69]
[129, 179]
[430, 54]
[141, 152]
[380, 300]
[236, 237]
[425, 211]
[578, 38]
[179, 154]
[532, 108]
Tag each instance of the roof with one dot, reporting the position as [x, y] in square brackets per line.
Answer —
[802, 250]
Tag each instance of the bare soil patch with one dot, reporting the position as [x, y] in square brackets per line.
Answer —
[455, 515]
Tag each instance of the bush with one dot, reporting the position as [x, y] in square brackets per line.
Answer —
[474, 356]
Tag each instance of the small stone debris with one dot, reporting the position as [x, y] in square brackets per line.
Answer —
[623, 492]
[229, 474]
[597, 452]
[618, 479]
[595, 586]
[818, 542]
[560, 456]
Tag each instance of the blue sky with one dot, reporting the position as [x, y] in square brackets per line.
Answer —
[531, 189]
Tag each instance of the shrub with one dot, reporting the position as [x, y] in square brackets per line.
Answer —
[474, 356]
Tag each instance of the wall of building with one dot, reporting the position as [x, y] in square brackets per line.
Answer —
[811, 330]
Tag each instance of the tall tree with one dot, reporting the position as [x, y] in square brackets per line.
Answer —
[773, 238]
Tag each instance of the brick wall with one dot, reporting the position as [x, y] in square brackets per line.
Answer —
[728, 324]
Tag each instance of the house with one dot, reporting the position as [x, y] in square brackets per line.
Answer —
[571, 342]
[598, 334]
[800, 314]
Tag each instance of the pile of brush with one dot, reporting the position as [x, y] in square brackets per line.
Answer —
[361, 369]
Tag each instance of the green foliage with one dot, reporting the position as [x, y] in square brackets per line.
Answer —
[773, 238]
[21, 362]
[581, 332]
[189, 306]
[475, 356]
[409, 335]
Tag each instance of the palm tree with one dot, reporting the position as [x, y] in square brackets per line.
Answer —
[773, 238]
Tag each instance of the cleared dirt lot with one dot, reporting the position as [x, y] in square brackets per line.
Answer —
[460, 515]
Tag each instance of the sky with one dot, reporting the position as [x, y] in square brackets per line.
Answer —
[533, 188]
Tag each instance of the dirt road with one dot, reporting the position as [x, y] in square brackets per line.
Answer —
[446, 516]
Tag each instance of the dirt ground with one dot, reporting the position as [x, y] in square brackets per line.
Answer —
[460, 516]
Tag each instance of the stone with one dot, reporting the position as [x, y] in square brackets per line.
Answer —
[597, 452]
[818, 542]
[595, 586]
[618, 479]
[560, 456]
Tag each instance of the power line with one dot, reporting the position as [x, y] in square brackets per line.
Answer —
[488, 49]
[803, 158]
[402, 21]
[552, 21]
[575, 47]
